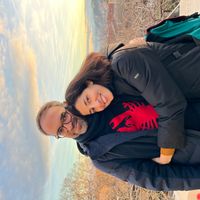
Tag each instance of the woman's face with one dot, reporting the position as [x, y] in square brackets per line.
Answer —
[94, 98]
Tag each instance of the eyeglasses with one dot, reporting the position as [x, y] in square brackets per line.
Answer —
[65, 118]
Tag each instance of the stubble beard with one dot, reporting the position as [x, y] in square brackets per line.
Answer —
[80, 126]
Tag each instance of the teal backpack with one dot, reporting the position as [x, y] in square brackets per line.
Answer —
[182, 29]
[176, 29]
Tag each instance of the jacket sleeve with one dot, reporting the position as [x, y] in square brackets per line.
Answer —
[142, 70]
[150, 175]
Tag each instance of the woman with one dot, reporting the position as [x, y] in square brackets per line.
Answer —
[153, 78]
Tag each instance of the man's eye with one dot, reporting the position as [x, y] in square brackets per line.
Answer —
[63, 117]
[60, 130]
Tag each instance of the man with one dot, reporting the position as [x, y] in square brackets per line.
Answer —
[54, 119]
[125, 155]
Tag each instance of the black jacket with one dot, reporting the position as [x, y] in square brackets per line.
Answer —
[128, 155]
[144, 72]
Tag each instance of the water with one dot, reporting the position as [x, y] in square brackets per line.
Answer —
[42, 44]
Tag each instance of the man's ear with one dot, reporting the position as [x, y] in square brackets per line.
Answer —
[65, 103]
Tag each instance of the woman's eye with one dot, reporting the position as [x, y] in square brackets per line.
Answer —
[88, 99]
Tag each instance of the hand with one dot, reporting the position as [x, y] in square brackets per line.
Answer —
[163, 159]
[137, 41]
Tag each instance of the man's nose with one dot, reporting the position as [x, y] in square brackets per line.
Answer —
[68, 126]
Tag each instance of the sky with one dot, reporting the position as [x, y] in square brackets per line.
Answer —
[42, 45]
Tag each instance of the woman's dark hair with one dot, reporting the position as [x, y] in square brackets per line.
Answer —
[96, 68]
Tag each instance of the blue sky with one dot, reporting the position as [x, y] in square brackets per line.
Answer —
[42, 44]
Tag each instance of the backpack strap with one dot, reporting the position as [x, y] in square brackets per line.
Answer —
[166, 60]
[178, 53]
[122, 47]
[110, 51]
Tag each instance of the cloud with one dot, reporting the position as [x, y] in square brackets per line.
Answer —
[24, 150]
[2, 26]
[27, 65]
[26, 74]
[2, 82]
[2, 196]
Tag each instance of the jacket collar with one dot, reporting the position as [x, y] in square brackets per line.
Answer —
[101, 145]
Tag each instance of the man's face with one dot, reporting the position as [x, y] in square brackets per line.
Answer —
[56, 121]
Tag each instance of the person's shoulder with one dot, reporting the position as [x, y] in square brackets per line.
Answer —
[81, 148]
[123, 52]
[123, 57]
[128, 51]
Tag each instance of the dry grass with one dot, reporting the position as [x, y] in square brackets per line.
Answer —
[139, 193]
[128, 19]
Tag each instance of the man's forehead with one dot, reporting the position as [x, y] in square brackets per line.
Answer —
[51, 113]
[50, 119]
[53, 110]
